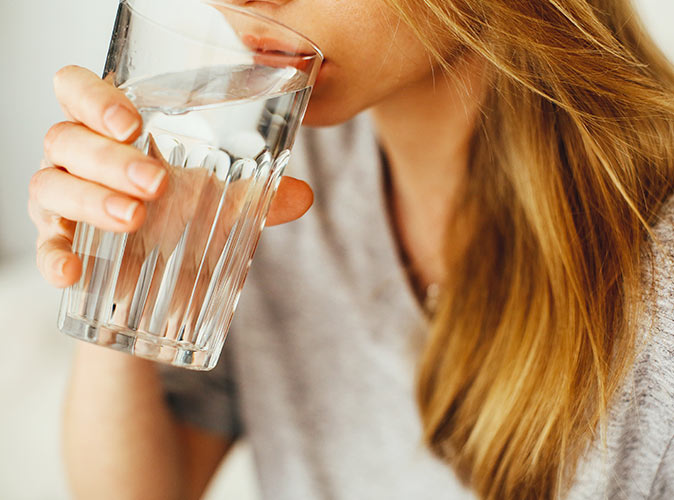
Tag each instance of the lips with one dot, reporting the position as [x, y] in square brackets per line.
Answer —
[277, 54]
[268, 44]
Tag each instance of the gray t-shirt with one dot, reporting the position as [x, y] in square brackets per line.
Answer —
[318, 369]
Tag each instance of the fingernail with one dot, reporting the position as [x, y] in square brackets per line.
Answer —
[147, 176]
[121, 122]
[121, 208]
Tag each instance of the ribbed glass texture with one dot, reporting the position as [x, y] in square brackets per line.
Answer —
[220, 117]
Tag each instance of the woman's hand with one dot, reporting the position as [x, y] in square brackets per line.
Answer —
[91, 173]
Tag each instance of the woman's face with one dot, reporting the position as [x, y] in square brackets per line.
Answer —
[369, 53]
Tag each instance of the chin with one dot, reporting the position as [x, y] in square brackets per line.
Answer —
[323, 111]
[333, 99]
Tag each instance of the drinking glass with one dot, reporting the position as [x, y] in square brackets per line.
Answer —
[222, 92]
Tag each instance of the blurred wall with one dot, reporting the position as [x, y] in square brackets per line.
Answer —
[39, 37]
[658, 15]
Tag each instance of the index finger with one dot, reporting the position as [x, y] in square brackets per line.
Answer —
[96, 104]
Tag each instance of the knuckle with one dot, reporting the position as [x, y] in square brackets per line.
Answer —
[53, 135]
[63, 73]
[35, 185]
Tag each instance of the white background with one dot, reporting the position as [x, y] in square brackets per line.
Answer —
[36, 38]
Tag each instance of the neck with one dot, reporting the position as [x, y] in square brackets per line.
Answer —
[425, 131]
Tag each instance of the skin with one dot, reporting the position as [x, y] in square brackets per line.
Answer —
[373, 61]
[91, 173]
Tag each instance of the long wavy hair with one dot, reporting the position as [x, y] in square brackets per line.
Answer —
[571, 161]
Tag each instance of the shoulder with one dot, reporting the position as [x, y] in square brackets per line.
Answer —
[664, 221]
[653, 372]
[661, 244]
[657, 278]
[637, 455]
[641, 423]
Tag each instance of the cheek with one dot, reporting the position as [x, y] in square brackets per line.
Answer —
[370, 55]
[349, 85]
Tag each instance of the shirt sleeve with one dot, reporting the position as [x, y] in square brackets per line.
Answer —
[207, 400]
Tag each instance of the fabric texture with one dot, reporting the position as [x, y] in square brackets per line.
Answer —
[318, 369]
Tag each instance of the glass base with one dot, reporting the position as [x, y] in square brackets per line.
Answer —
[162, 350]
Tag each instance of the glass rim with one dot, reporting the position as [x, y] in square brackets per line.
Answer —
[318, 54]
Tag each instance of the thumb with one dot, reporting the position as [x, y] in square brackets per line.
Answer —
[291, 201]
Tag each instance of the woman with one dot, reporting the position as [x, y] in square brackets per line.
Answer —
[518, 156]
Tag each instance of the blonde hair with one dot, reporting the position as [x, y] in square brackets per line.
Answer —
[572, 159]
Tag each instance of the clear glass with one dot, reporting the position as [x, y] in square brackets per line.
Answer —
[222, 93]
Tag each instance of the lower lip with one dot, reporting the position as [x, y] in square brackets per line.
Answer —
[273, 46]
[272, 52]
[276, 60]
